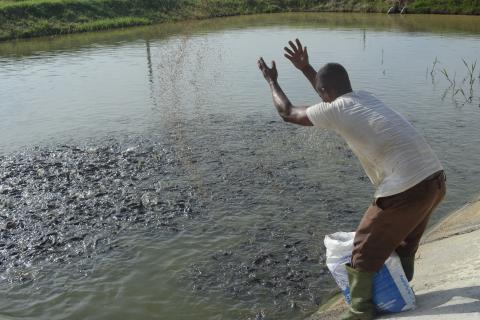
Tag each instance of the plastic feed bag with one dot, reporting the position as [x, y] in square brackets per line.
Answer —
[391, 291]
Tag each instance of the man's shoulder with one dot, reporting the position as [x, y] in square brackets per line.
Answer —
[365, 95]
[356, 95]
[368, 99]
[355, 99]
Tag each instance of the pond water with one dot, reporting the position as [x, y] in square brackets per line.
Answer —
[146, 175]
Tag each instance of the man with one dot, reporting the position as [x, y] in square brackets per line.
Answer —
[408, 176]
[399, 6]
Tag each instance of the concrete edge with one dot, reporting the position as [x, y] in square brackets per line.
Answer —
[464, 220]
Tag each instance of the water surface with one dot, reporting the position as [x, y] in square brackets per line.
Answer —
[188, 197]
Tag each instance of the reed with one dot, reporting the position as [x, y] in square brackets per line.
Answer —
[467, 87]
[470, 77]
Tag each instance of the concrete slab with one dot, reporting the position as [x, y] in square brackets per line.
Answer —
[447, 283]
[447, 272]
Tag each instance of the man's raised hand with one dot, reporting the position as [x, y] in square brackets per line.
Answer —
[270, 74]
[297, 54]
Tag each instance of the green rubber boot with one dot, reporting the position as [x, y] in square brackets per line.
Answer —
[361, 290]
[408, 266]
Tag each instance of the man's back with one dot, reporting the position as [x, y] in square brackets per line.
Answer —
[394, 155]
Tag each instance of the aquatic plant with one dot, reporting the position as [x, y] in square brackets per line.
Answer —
[466, 89]
[452, 81]
[434, 64]
[470, 76]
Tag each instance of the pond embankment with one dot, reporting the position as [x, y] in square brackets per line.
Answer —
[32, 18]
[446, 282]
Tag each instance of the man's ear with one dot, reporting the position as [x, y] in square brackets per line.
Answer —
[330, 94]
[326, 96]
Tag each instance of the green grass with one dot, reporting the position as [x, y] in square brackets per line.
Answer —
[30, 18]
[446, 6]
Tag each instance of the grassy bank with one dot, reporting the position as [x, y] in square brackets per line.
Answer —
[30, 18]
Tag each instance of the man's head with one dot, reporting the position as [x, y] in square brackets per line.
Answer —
[332, 81]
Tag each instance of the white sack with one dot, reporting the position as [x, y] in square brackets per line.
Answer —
[391, 291]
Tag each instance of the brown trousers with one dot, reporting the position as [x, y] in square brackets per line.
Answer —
[396, 223]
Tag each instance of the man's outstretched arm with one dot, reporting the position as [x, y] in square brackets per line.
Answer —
[298, 55]
[286, 110]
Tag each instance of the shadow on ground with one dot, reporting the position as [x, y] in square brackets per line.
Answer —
[449, 301]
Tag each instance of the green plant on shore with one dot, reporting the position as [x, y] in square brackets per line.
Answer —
[29, 18]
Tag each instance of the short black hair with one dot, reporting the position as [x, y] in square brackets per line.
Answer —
[333, 76]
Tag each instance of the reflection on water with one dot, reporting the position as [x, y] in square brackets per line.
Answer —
[177, 116]
[436, 24]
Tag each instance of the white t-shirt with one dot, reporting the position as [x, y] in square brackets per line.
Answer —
[393, 154]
